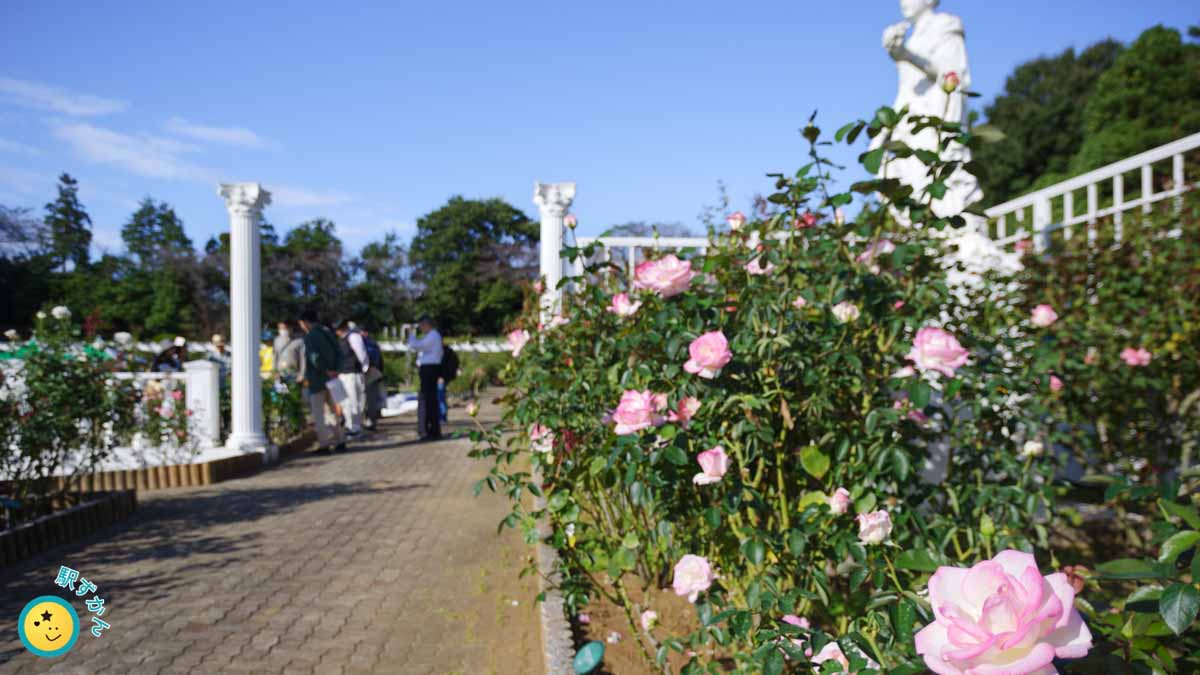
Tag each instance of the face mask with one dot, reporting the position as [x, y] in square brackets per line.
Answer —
[284, 334]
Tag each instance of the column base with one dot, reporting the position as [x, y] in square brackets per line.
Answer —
[249, 442]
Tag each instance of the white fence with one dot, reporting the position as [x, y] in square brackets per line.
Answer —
[1034, 215]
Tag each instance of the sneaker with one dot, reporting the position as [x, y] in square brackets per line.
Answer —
[340, 447]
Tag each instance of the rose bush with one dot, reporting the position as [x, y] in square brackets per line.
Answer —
[856, 428]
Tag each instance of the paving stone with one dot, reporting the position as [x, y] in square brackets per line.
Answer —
[374, 561]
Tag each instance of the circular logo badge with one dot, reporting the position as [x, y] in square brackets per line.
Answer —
[48, 626]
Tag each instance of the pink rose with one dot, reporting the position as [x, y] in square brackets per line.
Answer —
[846, 312]
[1092, 357]
[649, 620]
[517, 340]
[799, 622]
[1023, 246]
[1055, 383]
[899, 304]
[570, 220]
[637, 410]
[950, 82]
[833, 652]
[713, 465]
[177, 395]
[709, 352]
[736, 220]
[1043, 315]
[874, 250]
[755, 268]
[666, 276]
[1135, 357]
[935, 349]
[903, 404]
[1001, 616]
[660, 401]
[539, 286]
[809, 219]
[685, 411]
[839, 501]
[622, 306]
[799, 302]
[874, 527]
[693, 575]
[541, 439]
[166, 412]
[583, 619]
[555, 321]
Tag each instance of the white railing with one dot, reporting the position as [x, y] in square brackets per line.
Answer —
[1032, 215]
[485, 346]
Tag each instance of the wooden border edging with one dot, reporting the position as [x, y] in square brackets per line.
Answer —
[63, 527]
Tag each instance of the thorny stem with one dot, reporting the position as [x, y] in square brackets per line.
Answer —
[627, 605]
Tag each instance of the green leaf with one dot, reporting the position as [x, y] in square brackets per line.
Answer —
[989, 133]
[1179, 605]
[815, 462]
[906, 616]
[871, 160]
[1177, 544]
[754, 550]
[675, 455]
[919, 393]
[1187, 513]
[900, 464]
[630, 541]
[1129, 568]
[937, 189]
[916, 559]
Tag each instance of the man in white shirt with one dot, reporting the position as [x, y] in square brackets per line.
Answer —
[429, 365]
[353, 362]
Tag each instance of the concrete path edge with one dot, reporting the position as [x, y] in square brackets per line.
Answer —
[558, 646]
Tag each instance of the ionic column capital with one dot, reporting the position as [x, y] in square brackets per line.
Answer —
[243, 198]
[553, 199]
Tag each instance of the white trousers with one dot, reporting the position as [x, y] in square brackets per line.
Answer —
[329, 430]
[356, 400]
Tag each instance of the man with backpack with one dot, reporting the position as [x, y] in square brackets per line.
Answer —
[374, 380]
[320, 366]
[429, 367]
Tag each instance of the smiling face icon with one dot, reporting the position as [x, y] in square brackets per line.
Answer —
[48, 626]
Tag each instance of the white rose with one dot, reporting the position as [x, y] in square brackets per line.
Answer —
[846, 311]
[61, 313]
[1032, 449]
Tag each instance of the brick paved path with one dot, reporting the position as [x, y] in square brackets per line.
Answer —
[376, 561]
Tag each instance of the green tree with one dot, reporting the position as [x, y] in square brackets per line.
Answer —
[312, 256]
[380, 294]
[25, 268]
[1150, 96]
[1041, 114]
[154, 233]
[468, 258]
[68, 225]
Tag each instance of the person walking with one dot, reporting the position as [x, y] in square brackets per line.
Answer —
[320, 366]
[429, 367]
[353, 363]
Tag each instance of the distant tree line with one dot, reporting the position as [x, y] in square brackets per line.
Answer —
[465, 267]
[1067, 114]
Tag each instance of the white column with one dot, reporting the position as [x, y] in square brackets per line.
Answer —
[204, 400]
[553, 200]
[244, 202]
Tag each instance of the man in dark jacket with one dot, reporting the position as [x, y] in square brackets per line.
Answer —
[321, 362]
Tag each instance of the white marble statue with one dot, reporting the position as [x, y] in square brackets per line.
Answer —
[935, 49]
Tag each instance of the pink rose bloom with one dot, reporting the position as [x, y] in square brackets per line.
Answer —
[177, 395]
[660, 401]
[801, 622]
[685, 411]
[570, 220]
[799, 302]
[637, 410]
[833, 652]
[875, 249]
[809, 219]
[846, 311]
[1055, 383]
[693, 575]
[1043, 315]
[839, 501]
[1135, 357]
[649, 619]
[709, 353]
[541, 439]
[906, 371]
[1091, 358]
[666, 276]
[950, 82]
[621, 305]
[874, 527]
[899, 304]
[539, 286]
[555, 321]
[912, 413]
[583, 619]
[517, 340]
[713, 465]
[166, 412]
[1024, 246]
[736, 220]
[755, 268]
[1001, 616]
[935, 349]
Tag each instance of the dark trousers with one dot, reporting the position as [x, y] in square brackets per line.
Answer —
[428, 416]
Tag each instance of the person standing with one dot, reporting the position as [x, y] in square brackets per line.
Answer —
[429, 367]
[320, 366]
[170, 360]
[353, 363]
[374, 381]
[289, 354]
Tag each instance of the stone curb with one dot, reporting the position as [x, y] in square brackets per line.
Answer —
[558, 647]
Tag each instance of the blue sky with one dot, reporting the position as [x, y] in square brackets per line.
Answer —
[373, 114]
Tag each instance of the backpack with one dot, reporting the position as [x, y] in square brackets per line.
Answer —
[374, 353]
[449, 364]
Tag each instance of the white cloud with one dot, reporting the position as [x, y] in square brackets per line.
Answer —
[144, 155]
[15, 148]
[238, 136]
[56, 99]
[25, 182]
[294, 197]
